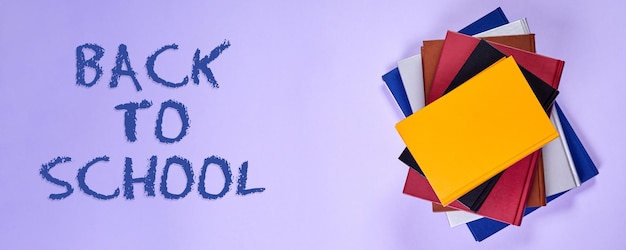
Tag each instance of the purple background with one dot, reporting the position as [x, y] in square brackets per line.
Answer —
[300, 99]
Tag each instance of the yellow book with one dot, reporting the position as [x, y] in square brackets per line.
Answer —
[477, 130]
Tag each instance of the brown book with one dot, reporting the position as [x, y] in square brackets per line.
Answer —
[431, 50]
[439, 208]
[537, 195]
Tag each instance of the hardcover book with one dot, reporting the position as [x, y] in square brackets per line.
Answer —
[394, 84]
[493, 19]
[547, 68]
[513, 28]
[560, 171]
[476, 119]
[474, 199]
[482, 57]
[413, 80]
[483, 228]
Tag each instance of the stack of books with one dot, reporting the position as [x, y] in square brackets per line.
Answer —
[486, 142]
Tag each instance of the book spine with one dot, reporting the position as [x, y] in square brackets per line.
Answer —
[537, 196]
[525, 25]
[568, 153]
[531, 42]
[526, 191]
[557, 76]
[541, 179]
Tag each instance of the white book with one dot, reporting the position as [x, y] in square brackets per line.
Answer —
[558, 166]
[519, 27]
[413, 80]
[456, 218]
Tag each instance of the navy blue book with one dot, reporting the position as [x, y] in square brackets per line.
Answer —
[394, 82]
[484, 228]
[487, 22]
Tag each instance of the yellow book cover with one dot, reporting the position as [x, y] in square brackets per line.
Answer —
[477, 130]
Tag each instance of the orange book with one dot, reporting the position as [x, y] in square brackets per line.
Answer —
[431, 51]
[477, 130]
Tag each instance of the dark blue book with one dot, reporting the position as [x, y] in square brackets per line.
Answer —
[394, 84]
[484, 228]
[487, 22]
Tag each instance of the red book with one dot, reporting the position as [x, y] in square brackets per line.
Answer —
[458, 47]
[507, 200]
[493, 207]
